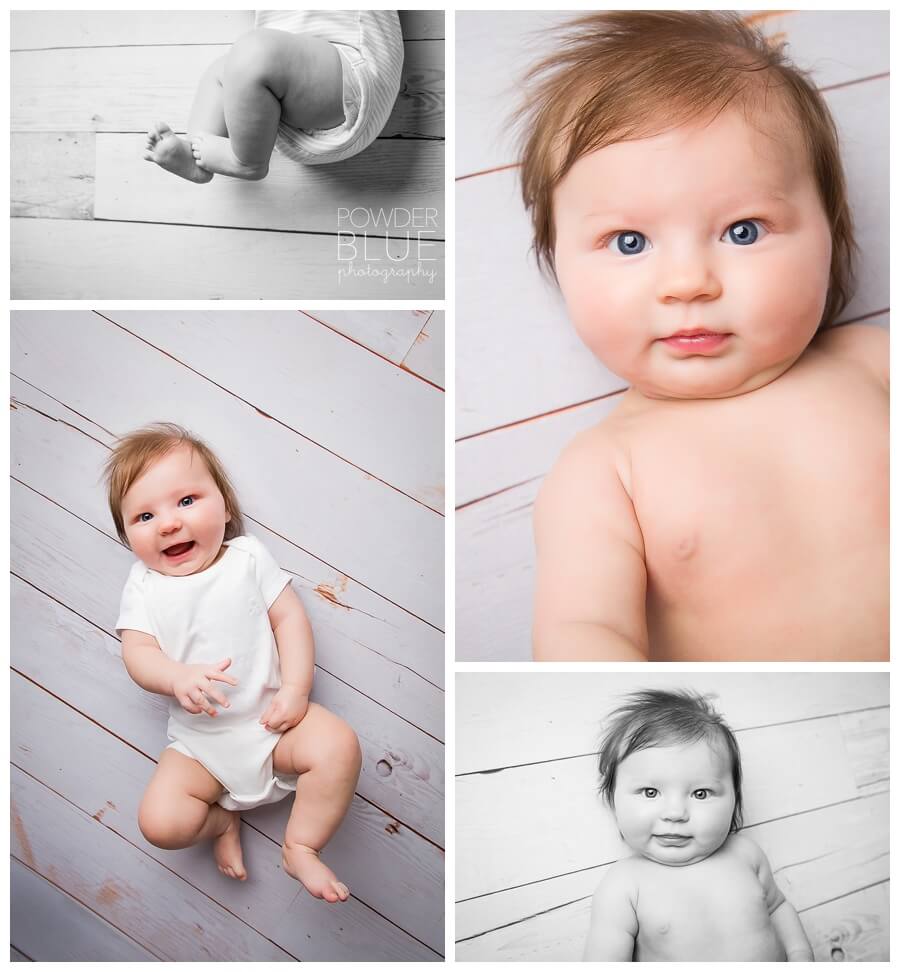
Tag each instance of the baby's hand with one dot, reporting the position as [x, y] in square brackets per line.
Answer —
[192, 686]
[285, 710]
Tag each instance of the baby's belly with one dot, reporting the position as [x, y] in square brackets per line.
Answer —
[699, 943]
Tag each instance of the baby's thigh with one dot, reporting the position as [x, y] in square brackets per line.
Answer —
[178, 776]
[303, 71]
[321, 738]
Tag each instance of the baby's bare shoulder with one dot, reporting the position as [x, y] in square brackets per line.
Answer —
[861, 343]
[621, 879]
[745, 849]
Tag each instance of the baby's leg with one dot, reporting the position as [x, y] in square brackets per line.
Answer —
[324, 750]
[179, 810]
[174, 154]
[271, 75]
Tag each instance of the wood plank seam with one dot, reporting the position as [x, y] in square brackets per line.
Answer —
[393, 364]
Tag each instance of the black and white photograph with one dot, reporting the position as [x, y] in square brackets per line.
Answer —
[234, 154]
[687, 816]
[329, 449]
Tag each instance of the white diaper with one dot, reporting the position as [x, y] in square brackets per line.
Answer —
[238, 760]
[370, 46]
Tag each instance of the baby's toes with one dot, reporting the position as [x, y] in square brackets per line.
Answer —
[343, 891]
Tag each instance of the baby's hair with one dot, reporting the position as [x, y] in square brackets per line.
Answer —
[629, 74]
[136, 451]
[655, 717]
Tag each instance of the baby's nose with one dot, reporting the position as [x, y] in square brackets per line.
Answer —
[676, 810]
[169, 524]
[688, 276]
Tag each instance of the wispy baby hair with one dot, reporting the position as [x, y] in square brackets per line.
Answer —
[135, 452]
[655, 717]
[629, 74]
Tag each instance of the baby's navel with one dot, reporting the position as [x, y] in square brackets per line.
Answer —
[664, 928]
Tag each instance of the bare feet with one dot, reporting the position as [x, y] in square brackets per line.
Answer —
[227, 849]
[303, 863]
[173, 154]
[213, 153]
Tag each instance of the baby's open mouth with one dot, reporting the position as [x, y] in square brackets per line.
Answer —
[176, 550]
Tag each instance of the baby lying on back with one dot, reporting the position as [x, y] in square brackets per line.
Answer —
[686, 189]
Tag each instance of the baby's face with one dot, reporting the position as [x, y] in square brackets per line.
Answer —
[175, 515]
[695, 263]
[674, 804]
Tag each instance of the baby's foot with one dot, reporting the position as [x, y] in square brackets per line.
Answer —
[213, 153]
[303, 863]
[173, 154]
[227, 849]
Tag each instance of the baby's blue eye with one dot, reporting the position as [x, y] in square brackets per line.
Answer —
[744, 232]
[186, 501]
[701, 794]
[629, 242]
[145, 517]
[650, 792]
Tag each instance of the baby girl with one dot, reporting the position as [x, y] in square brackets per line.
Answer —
[686, 188]
[208, 618]
[318, 84]
[693, 889]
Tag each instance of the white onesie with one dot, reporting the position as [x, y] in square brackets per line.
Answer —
[370, 46]
[220, 612]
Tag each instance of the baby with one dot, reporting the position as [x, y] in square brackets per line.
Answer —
[319, 84]
[693, 890]
[686, 189]
[209, 619]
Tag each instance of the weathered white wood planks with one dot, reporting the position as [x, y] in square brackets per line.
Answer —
[292, 197]
[389, 333]
[78, 259]
[51, 926]
[371, 401]
[160, 911]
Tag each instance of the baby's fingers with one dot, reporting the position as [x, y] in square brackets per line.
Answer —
[219, 677]
[217, 696]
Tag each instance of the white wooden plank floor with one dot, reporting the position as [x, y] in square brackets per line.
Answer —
[525, 384]
[533, 839]
[334, 441]
[92, 220]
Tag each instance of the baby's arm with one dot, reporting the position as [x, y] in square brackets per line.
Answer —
[296, 654]
[781, 911]
[590, 600]
[153, 670]
[614, 924]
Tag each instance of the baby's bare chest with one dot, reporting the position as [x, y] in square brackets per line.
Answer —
[759, 493]
[683, 918]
